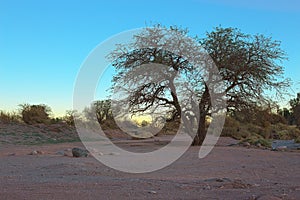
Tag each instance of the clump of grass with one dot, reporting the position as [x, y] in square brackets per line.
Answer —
[254, 140]
[297, 140]
[7, 117]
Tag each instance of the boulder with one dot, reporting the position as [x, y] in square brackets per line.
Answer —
[77, 152]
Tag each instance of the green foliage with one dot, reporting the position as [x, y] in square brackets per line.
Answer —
[35, 114]
[258, 140]
[297, 140]
[248, 131]
[284, 132]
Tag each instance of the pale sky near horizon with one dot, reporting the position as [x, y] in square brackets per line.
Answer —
[44, 43]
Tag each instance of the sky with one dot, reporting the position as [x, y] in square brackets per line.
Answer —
[44, 43]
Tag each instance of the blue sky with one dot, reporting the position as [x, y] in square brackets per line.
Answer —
[44, 43]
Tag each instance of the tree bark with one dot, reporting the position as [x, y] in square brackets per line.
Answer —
[201, 131]
[203, 109]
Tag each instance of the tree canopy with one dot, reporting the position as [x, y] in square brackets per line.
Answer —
[249, 65]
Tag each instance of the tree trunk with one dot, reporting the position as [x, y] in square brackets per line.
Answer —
[201, 131]
[203, 109]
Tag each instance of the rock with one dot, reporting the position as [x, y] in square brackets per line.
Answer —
[259, 145]
[68, 153]
[40, 152]
[95, 151]
[152, 192]
[60, 153]
[281, 148]
[207, 187]
[218, 180]
[34, 152]
[285, 145]
[114, 153]
[246, 144]
[77, 152]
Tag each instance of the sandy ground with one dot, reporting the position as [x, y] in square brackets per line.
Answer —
[228, 172]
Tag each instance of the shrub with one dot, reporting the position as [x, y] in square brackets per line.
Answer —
[255, 140]
[297, 140]
[35, 114]
[232, 129]
[284, 132]
[69, 117]
[7, 117]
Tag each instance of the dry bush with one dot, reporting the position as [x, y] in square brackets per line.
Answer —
[263, 117]
[109, 124]
[232, 128]
[284, 132]
[35, 114]
[69, 117]
[255, 140]
[170, 127]
[7, 117]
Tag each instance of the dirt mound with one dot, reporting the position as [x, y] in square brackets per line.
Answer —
[19, 133]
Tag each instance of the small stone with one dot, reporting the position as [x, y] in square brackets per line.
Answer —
[40, 152]
[246, 144]
[259, 145]
[281, 148]
[207, 187]
[96, 152]
[114, 153]
[68, 154]
[60, 153]
[34, 152]
[152, 192]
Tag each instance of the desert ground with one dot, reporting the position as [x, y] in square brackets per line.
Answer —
[229, 172]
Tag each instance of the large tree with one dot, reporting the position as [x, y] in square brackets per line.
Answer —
[248, 65]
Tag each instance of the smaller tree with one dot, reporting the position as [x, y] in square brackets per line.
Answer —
[69, 117]
[287, 115]
[35, 114]
[100, 109]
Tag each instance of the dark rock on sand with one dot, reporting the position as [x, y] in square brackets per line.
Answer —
[77, 152]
